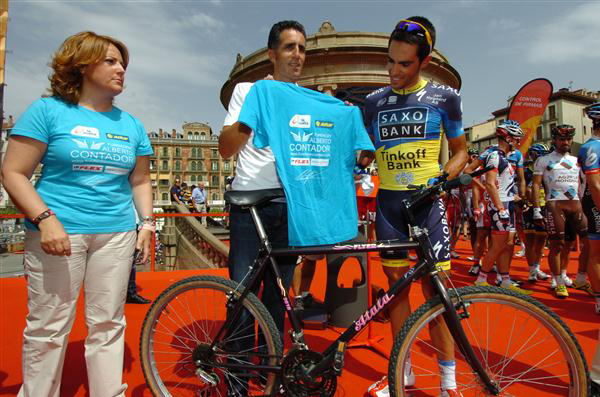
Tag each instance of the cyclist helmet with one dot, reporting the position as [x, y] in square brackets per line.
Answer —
[563, 131]
[593, 111]
[473, 151]
[536, 150]
[509, 130]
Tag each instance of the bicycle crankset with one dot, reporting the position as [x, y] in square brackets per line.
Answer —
[298, 383]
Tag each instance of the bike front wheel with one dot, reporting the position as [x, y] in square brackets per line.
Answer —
[526, 349]
[181, 325]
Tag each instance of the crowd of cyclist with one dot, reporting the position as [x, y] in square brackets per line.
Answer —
[546, 198]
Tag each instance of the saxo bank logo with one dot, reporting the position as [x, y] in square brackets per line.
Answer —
[402, 123]
[300, 121]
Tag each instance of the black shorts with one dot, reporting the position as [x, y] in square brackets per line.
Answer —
[391, 225]
[563, 213]
[592, 214]
[529, 226]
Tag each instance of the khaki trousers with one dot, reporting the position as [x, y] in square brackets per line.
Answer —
[101, 262]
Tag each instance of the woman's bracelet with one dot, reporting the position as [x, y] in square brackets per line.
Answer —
[148, 226]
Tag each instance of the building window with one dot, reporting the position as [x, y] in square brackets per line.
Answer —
[152, 164]
[215, 180]
[165, 151]
[193, 166]
[178, 152]
[177, 165]
[215, 166]
[153, 196]
[193, 178]
[552, 112]
[190, 136]
[539, 133]
[552, 127]
[165, 197]
[200, 166]
[226, 166]
[215, 196]
[199, 178]
[164, 182]
[165, 165]
[194, 152]
[215, 154]
[203, 136]
[500, 121]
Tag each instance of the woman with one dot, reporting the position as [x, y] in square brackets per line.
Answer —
[80, 221]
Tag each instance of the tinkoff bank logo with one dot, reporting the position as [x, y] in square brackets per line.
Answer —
[300, 121]
[403, 123]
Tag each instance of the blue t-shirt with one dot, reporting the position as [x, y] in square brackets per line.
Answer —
[86, 167]
[314, 138]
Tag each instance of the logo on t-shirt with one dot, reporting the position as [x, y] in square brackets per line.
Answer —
[324, 124]
[402, 123]
[591, 158]
[87, 132]
[124, 138]
[300, 121]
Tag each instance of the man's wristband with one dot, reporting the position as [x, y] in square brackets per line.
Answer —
[46, 214]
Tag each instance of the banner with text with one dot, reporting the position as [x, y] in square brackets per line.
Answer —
[528, 106]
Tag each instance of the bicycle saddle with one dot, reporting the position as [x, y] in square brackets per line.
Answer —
[252, 197]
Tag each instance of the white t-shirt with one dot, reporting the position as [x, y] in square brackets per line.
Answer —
[560, 175]
[255, 168]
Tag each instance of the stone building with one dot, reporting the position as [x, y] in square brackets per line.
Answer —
[193, 156]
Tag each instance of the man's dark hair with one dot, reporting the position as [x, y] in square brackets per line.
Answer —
[275, 33]
[423, 48]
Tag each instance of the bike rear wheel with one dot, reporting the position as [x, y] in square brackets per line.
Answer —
[181, 324]
[524, 347]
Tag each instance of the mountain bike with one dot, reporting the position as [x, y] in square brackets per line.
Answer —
[209, 336]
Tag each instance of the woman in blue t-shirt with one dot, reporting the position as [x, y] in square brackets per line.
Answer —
[80, 221]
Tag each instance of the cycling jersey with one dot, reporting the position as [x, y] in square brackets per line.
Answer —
[515, 158]
[407, 126]
[505, 181]
[589, 160]
[560, 175]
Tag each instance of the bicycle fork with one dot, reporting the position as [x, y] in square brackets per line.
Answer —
[458, 334]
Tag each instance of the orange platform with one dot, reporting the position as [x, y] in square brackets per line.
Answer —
[363, 366]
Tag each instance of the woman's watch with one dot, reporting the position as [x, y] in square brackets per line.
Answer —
[46, 214]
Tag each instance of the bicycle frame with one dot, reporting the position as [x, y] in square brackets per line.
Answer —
[333, 354]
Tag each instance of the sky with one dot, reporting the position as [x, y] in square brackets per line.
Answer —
[181, 52]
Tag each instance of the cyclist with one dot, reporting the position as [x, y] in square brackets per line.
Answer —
[515, 157]
[469, 208]
[480, 214]
[535, 234]
[499, 198]
[589, 156]
[560, 173]
[405, 119]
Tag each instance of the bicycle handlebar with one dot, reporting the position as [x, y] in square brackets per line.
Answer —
[464, 180]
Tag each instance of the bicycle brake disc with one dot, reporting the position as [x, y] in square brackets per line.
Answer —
[297, 383]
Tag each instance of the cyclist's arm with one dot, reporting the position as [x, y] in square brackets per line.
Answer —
[490, 186]
[473, 166]
[535, 188]
[521, 174]
[456, 163]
